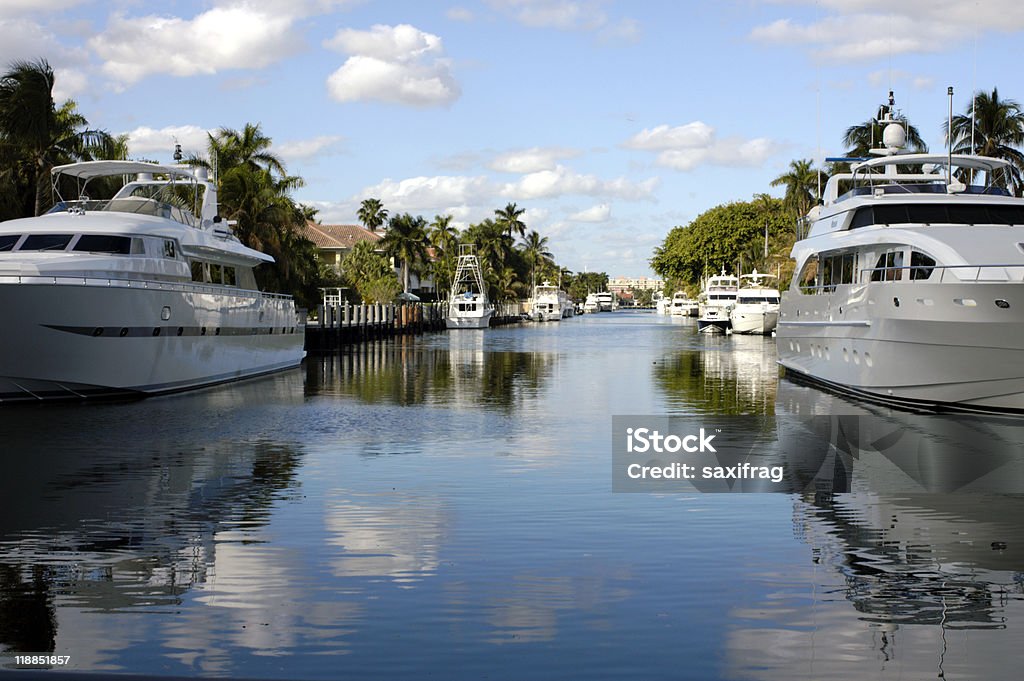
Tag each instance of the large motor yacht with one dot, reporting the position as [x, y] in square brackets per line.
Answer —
[144, 293]
[909, 287]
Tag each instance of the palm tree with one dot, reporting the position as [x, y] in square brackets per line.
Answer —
[535, 251]
[860, 139]
[249, 148]
[406, 241]
[995, 129]
[508, 219]
[37, 135]
[372, 214]
[801, 183]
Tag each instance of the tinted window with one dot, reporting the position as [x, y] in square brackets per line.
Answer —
[7, 241]
[46, 242]
[932, 214]
[891, 215]
[921, 265]
[102, 243]
[229, 275]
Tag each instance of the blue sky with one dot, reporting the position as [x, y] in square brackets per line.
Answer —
[610, 122]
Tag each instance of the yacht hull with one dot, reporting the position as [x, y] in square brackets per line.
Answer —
[761, 322]
[946, 346]
[468, 322]
[112, 337]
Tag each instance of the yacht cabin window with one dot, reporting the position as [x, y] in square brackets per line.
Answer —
[921, 265]
[937, 214]
[7, 241]
[46, 242]
[104, 243]
[808, 280]
[889, 267]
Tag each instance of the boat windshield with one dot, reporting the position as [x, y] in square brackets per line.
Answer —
[159, 199]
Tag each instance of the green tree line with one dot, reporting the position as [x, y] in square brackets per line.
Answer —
[732, 235]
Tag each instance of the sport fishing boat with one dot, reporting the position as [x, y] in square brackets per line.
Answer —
[757, 305]
[909, 287]
[716, 302]
[148, 292]
[468, 307]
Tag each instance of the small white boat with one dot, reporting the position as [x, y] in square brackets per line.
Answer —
[468, 307]
[716, 302]
[548, 303]
[682, 305]
[662, 304]
[757, 306]
[147, 292]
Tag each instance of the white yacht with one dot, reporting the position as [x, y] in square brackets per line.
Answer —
[757, 305]
[909, 287]
[716, 302]
[592, 304]
[683, 306]
[662, 305]
[144, 293]
[468, 307]
[548, 303]
[606, 300]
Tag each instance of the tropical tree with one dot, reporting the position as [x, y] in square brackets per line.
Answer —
[444, 239]
[370, 273]
[535, 252]
[372, 214]
[36, 135]
[801, 183]
[406, 242]
[508, 218]
[860, 139]
[992, 126]
[248, 148]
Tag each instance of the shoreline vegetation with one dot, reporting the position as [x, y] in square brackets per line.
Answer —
[744, 235]
[256, 193]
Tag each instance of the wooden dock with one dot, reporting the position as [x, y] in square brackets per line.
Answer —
[337, 326]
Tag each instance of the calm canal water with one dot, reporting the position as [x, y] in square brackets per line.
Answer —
[441, 507]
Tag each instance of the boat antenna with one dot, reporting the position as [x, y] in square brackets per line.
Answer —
[949, 139]
[177, 152]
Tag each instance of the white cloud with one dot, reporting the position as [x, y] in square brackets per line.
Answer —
[560, 181]
[459, 14]
[145, 140]
[531, 160]
[599, 213]
[233, 37]
[429, 195]
[686, 147]
[68, 83]
[692, 135]
[308, 148]
[913, 27]
[561, 14]
[17, 8]
[394, 64]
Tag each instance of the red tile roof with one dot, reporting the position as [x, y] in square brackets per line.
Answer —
[334, 237]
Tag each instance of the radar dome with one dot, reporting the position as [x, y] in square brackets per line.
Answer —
[894, 136]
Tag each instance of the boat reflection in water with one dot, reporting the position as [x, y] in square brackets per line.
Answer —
[921, 535]
[453, 370]
[720, 375]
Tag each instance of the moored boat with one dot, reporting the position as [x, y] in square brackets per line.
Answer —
[147, 292]
[909, 287]
[468, 307]
[716, 302]
[757, 305]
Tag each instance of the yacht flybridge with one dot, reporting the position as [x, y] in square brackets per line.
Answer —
[144, 293]
[909, 287]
